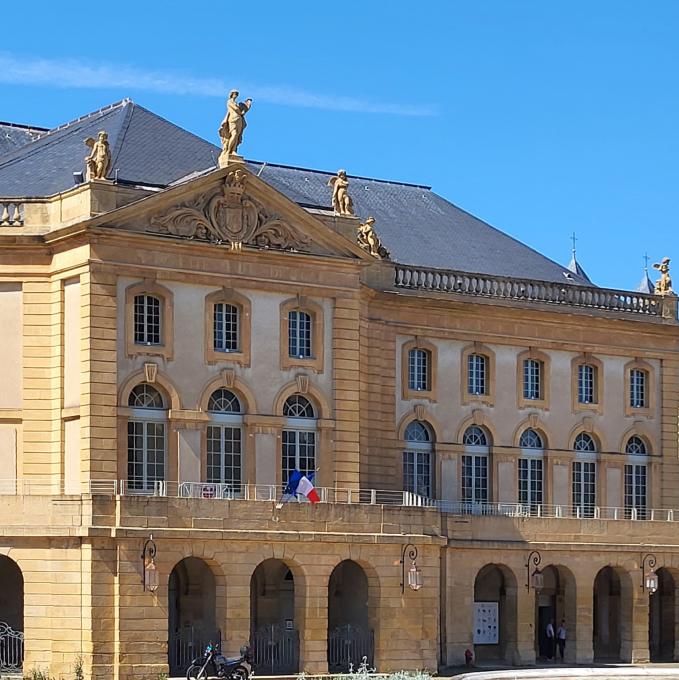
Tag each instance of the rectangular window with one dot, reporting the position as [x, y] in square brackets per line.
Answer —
[224, 456]
[475, 479]
[418, 369]
[584, 488]
[637, 387]
[635, 490]
[146, 320]
[530, 483]
[586, 384]
[299, 334]
[145, 454]
[226, 328]
[476, 374]
[532, 379]
[417, 472]
[299, 452]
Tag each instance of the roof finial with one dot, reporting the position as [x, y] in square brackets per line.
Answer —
[574, 240]
[646, 259]
[574, 265]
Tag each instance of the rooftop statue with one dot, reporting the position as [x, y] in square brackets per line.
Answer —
[341, 201]
[368, 239]
[663, 286]
[231, 129]
[98, 163]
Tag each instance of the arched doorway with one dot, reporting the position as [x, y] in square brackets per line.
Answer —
[494, 632]
[11, 615]
[274, 636]
[192, 610]
[662, 618]
[556, 602]
[612, 615]
[350, 633]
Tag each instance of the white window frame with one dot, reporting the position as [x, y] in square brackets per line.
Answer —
[300, 334]
[477, 374]
[419, 368]
[638, 388]
[147, 330]
[146, 417]
[223, 329]
[587, 384]
[584, 483]
[532, 379]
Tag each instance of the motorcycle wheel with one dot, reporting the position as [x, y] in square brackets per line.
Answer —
[196, 672]
[240, 673]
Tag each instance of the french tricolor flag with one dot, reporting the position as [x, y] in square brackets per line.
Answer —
[300, 483]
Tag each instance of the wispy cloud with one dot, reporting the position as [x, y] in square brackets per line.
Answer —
[73, 73]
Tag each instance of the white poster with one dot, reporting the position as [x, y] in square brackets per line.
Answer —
[486, 623]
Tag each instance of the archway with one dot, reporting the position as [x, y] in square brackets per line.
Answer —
[274, 634]
[612, 616]
[192, 612]
[11, 615]
[556, 602]
[662, 620]
[350, 633]
[495, 614]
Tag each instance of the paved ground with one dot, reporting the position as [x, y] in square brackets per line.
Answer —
[664, 671]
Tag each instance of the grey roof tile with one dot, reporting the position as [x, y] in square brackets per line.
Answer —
[14, 136]
[417, 226]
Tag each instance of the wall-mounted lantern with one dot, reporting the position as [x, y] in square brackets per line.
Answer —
[535, 580]
[649, 577]
[414, 572]
[149, 570]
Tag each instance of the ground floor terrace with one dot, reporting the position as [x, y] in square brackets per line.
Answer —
[137, 586]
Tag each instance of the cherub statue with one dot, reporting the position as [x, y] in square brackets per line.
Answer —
[98, 163]
[231, 129]
[663, 285]
[368, 239]
[341, 201]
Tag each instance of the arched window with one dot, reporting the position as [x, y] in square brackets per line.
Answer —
[531, 469]
[584, 477]
[146, 439]
[475, 465]
[299, 437]
[635, 479]
[417, 459]
[225, 440]
[300, 330]
[147, 319]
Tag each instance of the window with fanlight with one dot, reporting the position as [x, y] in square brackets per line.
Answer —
[418, 458]
[146, 439]
[584, 475]
[530, 469]
[224, 439]
[299, 437]
[475, 465]
[636, 472]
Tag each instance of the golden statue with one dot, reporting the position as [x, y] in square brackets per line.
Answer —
[231, 129]
[368, 239]
[341, 201]
[98, 163]
[663, 286]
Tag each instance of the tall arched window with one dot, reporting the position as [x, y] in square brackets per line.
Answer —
[475, 465]
[225, 440]
[584, 475]
[635, 478]
[417, 459]
[531, 469]
[299, 437]
[146, 438]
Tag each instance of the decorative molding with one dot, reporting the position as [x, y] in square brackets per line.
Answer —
[228, 377]
[477, 416]
[534, 420]
[302, 383]
[150, 372]
[419, 411]
[228, 215]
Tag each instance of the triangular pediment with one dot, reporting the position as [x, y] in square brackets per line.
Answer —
[232, 207]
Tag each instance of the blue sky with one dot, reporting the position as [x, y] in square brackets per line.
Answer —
[542, 117]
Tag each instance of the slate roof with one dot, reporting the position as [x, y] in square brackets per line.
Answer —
[575, 268]
[13, 136]
[416, 225]
[646, 285]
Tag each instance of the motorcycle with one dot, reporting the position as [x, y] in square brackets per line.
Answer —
[213, 664]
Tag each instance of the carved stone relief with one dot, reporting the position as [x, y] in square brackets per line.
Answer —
[228, 215]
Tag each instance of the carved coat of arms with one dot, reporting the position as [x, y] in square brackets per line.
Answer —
[228, 215]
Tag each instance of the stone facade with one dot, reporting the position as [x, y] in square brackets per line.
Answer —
[78, 281]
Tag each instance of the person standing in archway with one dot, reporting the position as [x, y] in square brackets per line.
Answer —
[549, 631]
[561, 638]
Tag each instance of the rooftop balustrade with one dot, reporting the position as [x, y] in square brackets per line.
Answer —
[528, 290]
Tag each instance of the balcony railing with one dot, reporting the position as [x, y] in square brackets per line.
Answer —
[11, 214]
[274, 493]
[526, 290]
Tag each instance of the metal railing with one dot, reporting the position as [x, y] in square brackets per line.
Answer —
[483, 285]
[11, 649]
